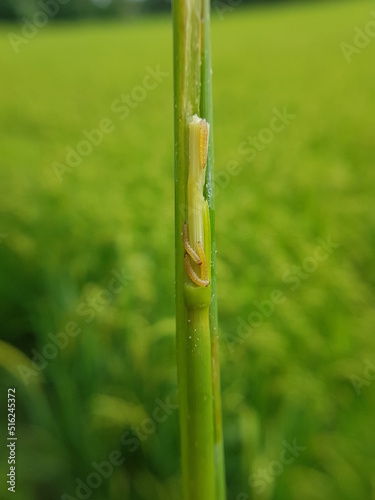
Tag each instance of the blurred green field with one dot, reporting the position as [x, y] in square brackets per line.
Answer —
[63, 243]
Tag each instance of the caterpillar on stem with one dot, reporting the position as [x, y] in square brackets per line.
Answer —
[189, 249]
[192, 274]
[196, 231]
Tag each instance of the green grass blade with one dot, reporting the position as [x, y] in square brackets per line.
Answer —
[202, 457]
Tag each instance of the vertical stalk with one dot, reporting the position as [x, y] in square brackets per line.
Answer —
[207, 113]
[202, 457]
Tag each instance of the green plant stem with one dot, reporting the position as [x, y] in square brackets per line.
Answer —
[202, 457]
[199, 466]
[207, 113]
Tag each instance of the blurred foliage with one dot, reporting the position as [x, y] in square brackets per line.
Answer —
[78, 9]
[61, 244]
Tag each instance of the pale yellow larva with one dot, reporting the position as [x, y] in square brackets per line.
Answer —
[190, 250]
[192, 274]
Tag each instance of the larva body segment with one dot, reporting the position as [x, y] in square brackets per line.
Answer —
[189, 249]
[192, 274]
